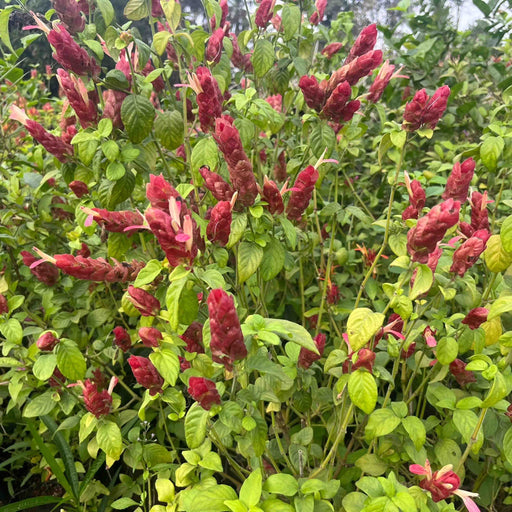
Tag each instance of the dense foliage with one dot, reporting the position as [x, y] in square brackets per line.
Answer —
[265, 271]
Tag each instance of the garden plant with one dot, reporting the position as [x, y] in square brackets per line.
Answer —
[257, 272]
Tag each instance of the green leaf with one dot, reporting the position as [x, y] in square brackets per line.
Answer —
[211, 461]
[4, 28]
[32, 503]
[416, 430]
[371, 464]
[205, 152]
[273, 260]
[362, 324]
[172, 11]
[115, 171]
[381, 423]
[160, 40]
[486, 10]
[250, 492]
[238, 227]
[12, 331]
[249, 257]
[362, 390]
[500, 306]
[138, 115]
[44, 366]
[506, 234]
[212, 499]
[496, 258]
[322, 138]
[110, 439]
[167, 364]
[123, 503]
[195, 426]
[290, 20]
[500, 389]
[465, 422]
[121, 190]
[107, 11]
[422, 282]
[490, 151]
[262, 57]
[110, 150]
[447, 350]
[10, 362]
[289, 231]
[506, 446]
[398, 138]
[290, 331]
[169, 129]
[70, 360]
[42, 404]
[172, 301]
[148, 274]
[116, 79]
[136, 10]
[281, 483]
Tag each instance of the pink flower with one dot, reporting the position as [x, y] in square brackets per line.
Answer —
[443, 483]
[385, 74]
[204, 392]
[429, 336]
[44, 272]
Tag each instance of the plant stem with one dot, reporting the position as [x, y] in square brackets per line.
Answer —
[388, 223]
[280, 445]
[472, 440]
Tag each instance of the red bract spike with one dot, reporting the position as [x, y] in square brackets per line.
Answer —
[423, 110]
[214, 47]
[272, 196]
[193, 337]
[150, 336]
[469, 252]
[314, 93]
[146, 374]
[331, 49]
[457, 185]
[318, 15]
[70, 55]
[44, 272]
[68, 12]
[144, 301]
[476, 317]
[264, 13]
[227, 341]
[47, 341]
[113, 101]
[364, 43]
[219, 226]
[97, 402]
[479, 213]
[308, 357]
[79, 188]
[423, 238]
[220, 189]
[122, 338]
[209, 98]
[239, 166]
[301, 193]
[204, 392]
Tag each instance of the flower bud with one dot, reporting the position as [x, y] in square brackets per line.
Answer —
[301, 193]
[146, 374]
[4, 306]
[318, 15]
[227, 341]
[220, 189]
[150, 336]
[462, 376]
[79, 188]
[264, 13]
[47, 341]
[476, 317]
[423, 110]
[308, 357]
[272, 196]
[98, 402]
[331, 49]
[122, 338]
[365, 359]
[193, 337]
[204, 392]
[468, 253]
[144, 301]
[44, 272]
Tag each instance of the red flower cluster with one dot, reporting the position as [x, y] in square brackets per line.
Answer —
[122, 338]
[239, 59]
[4, 305]
[204, 392]
[44, 272]
[150, 336]
[364, 43]
[272, 195]
[224, 8]
[479, 214]
[331, 49]
[423, 238]
[318, 15]
[146, 374]
[112, 101]
[476, 317]
[417, 199]
[84, 102]
[79, 188]
[68, 12]
[193, 337]
[227, 341]
[219, 226]
[115, 222]
[209, 98]
[214, 47]
[144, 301]
[301, 193]
[97, 402]
[239, 166]
[70, 55]
[457, 185]
[423, 110]
[215, 183]
[159, 191]
[386, 73]
[468, 253]
[308, 357]
[265, 12]
[338, 108]
[462, 376]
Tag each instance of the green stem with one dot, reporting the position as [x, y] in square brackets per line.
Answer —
[388, 223]
[473, 439]
[280, 445]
